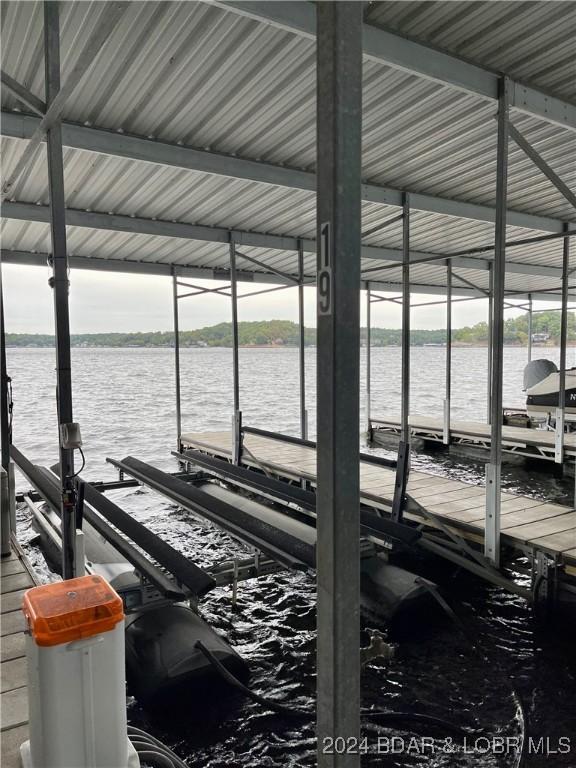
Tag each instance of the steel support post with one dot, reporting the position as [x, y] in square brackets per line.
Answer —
[405, 417]
[368, 360]
[530, 318]
[59, 282]
[237, 416]
[560, 410]
[493, 498]
[490, 327]
[302, 345]
[4, 413]
[177, 359]
[339, 121]
[448, 395]
[6, 491]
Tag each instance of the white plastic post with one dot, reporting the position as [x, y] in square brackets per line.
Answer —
[80, 553]
[76, 677]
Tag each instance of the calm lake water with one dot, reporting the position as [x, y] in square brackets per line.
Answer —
[124, 401]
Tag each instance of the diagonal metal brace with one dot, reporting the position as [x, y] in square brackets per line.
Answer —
[539, 161]
[462, 545]
[23, 94]
[109, 18]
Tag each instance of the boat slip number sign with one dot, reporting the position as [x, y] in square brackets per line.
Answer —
[324, 279]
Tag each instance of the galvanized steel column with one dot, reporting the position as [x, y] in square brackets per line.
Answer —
[490, 326]
[493, 499]
[448, 394]
[177, 359]
[4, 415]
[59, 283]
[237, 418]
[302, 345]
[561, 409]
[368, 359]
[339, 120]
[5, 490]
[529, 327]
[405, 417]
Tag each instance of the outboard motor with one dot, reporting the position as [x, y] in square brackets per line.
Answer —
[536, 371]
[542, 386]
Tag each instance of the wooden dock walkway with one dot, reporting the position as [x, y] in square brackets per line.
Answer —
[532, 443]
[17, 577]
[528, 524]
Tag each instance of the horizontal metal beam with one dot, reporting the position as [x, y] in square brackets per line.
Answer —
[93, 263]
[401, 53]
[20, 126]
[156, 227]
[129, 266]
[159, 228]
[37, 259]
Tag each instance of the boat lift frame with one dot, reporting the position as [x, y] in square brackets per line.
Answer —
[232, 278]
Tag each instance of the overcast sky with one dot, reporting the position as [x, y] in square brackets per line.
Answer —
[105, 302]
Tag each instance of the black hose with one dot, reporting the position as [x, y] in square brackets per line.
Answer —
[386, 718]
[282, 709]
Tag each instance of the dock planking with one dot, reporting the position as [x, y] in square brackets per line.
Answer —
[526, 523]
[536, 443]
[17, 577]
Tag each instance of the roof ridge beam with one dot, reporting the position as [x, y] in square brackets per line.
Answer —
[409, 55]
[103, 141]
[160, 228]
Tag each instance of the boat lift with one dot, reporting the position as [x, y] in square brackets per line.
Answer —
[273, 518]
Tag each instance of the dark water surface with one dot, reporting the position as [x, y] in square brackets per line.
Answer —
[124, 402]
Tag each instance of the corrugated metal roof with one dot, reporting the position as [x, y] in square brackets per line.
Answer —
[530, 41]
[130, 188]
[194, 73]
[212, 79]
[91, 243]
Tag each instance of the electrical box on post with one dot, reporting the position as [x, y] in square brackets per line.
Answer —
[70, 436]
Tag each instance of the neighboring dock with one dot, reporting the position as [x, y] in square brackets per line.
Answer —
[521, 441]
[528, 525]
[17, 577]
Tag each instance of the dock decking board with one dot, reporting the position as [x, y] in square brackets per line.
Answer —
[526, 522]
[17, 576]
[514, 439]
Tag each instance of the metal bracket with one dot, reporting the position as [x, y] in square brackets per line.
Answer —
[237, 437]
[544, 579]
[402, 470]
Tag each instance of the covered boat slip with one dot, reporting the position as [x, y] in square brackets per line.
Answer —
[17, 577]
[348, 146]
[532, 443]
[528, 525]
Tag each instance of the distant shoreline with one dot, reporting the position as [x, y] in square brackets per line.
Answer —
[455, 345]
[279, 334]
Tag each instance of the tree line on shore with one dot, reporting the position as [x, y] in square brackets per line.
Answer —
[264, 333]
